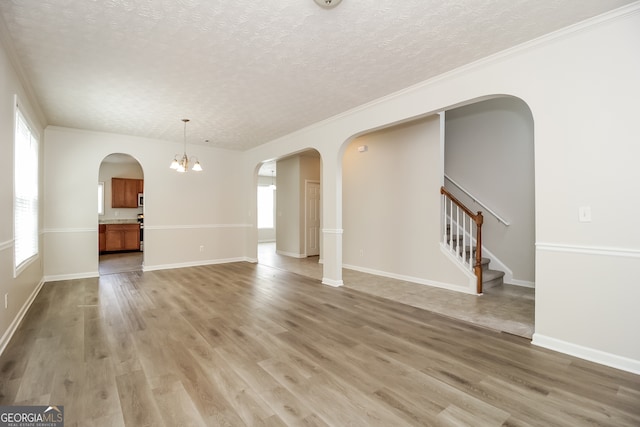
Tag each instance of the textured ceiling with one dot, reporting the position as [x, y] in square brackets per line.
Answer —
[247, 71]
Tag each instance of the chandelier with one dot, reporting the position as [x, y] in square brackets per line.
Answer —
[182, 165]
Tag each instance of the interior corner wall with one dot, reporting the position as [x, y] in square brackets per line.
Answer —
[489, 149]
[391, 205]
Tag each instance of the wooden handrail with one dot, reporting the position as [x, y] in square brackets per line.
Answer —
[461, 206]
[475, 200]
[478, 219]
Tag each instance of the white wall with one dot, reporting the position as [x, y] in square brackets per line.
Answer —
[391, 206]
[183, 212]
[489, 152]
[19, 290]
[287, 207]
[582, 87]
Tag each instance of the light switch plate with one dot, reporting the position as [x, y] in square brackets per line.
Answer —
[584, 213]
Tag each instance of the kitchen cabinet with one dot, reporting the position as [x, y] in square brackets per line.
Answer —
[102, 242]
[121, 237]
[124, 192]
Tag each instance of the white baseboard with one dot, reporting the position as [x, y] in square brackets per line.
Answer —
[411, 279]
[586, 353]
[291, 254]
[4, 341]
[331, 282]
[523, 283]
[193, 263]
[58, 277]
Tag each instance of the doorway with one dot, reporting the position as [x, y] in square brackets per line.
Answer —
[295, 232]
[120, 215]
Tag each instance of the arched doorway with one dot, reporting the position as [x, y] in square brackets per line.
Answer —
[292, 241]
[391, 211]
[120, 214]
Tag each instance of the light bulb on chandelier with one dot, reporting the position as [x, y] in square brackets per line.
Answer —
[181, 164]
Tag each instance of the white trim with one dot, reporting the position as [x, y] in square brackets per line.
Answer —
[586, 353]
[4, 341]
[18, 269]
[523, 283]
[331, 282]
[195, 226]
[411, 279]
[196, 263]
[332, 230]
[59, 277]
[291, 254]
[589, 250]
[70, 230]
[6, 245]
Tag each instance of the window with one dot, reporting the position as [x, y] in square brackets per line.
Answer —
[101, 198]
[25, 206]
[265, 207]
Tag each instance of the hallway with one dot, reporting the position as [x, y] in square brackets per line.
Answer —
[506, 308]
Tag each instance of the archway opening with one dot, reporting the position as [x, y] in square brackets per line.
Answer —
[289, 214]
[120, 214]
[390, 207]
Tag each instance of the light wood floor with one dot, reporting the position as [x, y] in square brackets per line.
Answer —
[248, 344]
[506, 308]
[120, 262]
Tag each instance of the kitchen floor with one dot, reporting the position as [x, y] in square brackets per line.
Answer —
[120, 262]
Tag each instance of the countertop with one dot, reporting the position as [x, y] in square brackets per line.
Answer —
[118, 221]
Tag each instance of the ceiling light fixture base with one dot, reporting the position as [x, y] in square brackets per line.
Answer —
[327, 4]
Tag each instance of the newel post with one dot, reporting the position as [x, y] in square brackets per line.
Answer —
[477, 268]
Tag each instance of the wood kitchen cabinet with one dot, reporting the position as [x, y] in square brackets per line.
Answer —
[102, 240]
[124, 192]
[121, 237]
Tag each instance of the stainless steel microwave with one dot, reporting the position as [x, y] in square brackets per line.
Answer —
[140, 199]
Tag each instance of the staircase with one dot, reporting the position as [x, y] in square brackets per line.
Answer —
[490, 278]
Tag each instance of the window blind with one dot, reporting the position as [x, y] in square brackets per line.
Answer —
[25, 192]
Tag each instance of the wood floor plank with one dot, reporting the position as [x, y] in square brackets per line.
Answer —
[244, 344]
[136, 400]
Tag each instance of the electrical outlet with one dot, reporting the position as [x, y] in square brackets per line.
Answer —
[201, 248]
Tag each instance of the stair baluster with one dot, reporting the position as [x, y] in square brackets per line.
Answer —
[469, 255]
